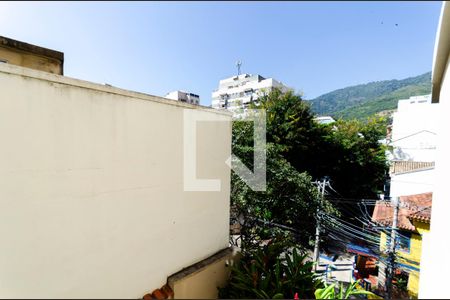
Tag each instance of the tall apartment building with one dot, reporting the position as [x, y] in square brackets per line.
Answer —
[237, 92]
[184, 97]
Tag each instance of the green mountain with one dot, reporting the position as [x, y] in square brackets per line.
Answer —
[363, 100]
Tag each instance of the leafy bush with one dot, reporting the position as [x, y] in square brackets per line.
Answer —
[331, 292]
[274, 271]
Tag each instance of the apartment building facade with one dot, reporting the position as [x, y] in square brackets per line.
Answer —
[237, 92]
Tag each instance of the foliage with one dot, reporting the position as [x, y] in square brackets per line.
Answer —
[357, 163]
[273, 271]
[332, 292]
[385, 102]
[347, 151]
[299, 150]
[288, 206]
[401, 284]
[363, 100]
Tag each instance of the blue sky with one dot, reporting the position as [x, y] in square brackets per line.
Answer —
[156, 47]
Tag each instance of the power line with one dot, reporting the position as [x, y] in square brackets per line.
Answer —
[355, 234]
[343, 232]
[410, 135]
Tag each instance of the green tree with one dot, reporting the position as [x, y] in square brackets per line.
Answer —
[289, 194]
[357, 164]
[346, 151]
[299, 150]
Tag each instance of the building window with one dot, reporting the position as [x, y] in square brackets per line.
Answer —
[404, 242]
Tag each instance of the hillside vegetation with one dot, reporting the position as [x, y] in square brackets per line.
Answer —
[364, 100]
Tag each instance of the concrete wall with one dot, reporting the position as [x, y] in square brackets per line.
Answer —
[434, 265]
[91, 198]
[202, 280]
[29, 60]
[414, 130]
[433, 272]
[412, 183]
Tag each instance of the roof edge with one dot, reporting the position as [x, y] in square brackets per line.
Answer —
[10, 43]
[40, 75]
[441, 51]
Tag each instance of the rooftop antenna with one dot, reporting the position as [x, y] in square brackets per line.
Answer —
[238, 65]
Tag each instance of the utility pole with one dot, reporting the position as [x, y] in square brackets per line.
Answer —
[321, 187]
[392, 249]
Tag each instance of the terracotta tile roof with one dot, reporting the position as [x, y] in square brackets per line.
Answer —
[418, 201]
[399, 167]
[384, 212]
[163, 293]
[412, 207]
[422, 216]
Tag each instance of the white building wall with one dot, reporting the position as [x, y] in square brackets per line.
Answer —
[324, 120]
[434, 263]
[174, 95]
[91, 200]
[414, 129]
[183, 97]
[412, 183]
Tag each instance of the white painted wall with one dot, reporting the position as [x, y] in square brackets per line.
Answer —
[174, 95]
[414, 129]
[324, 120]
[434, 263]
[91, 198]
[412, 183]
[183, 96]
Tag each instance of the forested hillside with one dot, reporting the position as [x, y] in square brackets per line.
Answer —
[361, 101]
